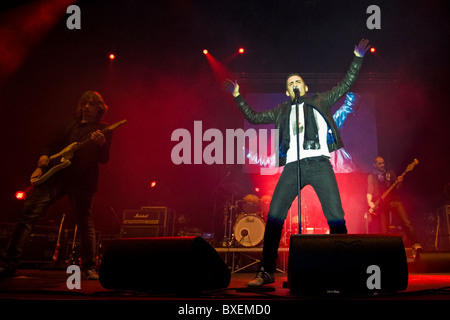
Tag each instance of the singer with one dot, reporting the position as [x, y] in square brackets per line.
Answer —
[318, 136]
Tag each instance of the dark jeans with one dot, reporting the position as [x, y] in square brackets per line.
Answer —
[398, 210]
[316, 172]
[38, 201]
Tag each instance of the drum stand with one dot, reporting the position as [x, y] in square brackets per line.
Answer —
[228, 211]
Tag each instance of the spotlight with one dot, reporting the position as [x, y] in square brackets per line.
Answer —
[21, 195]
[372, 50]
[153, 184]
[241, 50]
[205, 51]
[256, 189]
[112, 56]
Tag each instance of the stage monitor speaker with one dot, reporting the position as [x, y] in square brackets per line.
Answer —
[172, 265]
[346, 264]
[443, 229]
[433, 262]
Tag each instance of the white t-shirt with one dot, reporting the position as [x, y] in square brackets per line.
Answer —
[322, 132]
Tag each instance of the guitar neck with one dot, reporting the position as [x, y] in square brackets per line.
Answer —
[385, 194]
[86, 141]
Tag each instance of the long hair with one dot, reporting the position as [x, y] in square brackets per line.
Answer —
[97, 98]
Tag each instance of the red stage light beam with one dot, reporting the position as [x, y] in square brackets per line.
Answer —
[21, 29]
[220, 71]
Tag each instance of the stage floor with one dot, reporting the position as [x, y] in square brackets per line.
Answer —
[36, 284]
[33, 289]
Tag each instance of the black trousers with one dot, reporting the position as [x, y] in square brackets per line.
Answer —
[316, 172]
[398, 210]
[38, 201]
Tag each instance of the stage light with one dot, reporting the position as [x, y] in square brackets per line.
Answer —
[153, 184]
[21, 195]
[372, 50]
[112, 56]
[256, 189]
[241, 50]
[205, 51]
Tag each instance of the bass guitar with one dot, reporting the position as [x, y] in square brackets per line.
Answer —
[61, 160]
[377, 203]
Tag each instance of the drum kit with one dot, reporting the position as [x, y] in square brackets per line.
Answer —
[244, 221]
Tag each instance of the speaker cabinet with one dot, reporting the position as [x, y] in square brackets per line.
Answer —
[346, 264]
[443, 228]
[172, 264]
[40, 246]
[434, 262]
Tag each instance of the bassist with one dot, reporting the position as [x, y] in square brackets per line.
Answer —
[377, 183]
[78, 181]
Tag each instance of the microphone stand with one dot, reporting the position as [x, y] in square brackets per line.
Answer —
[296, 91]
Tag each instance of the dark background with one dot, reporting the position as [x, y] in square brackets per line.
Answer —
[161, 81]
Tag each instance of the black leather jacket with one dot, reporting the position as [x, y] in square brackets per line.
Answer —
[322, 102]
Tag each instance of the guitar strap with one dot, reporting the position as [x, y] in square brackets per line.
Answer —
[70, 127]
[379, 175]
[384, 182]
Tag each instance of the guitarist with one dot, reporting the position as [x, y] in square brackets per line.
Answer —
[78, 181]
[378, 182]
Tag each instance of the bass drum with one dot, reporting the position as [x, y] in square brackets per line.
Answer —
[249, 230]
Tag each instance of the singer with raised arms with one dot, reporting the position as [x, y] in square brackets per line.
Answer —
[306, 139]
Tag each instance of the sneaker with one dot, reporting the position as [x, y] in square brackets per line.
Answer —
[262, 278]
[416, 248]
[92, 274]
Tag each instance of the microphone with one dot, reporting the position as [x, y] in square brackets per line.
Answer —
[296, 93]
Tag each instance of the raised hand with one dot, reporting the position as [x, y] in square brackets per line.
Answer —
[361, 48]
[231, 87]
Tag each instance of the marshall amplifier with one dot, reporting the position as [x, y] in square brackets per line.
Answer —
[147, 222]
[146, 216]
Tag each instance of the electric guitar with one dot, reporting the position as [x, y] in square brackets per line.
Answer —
[61, 160]
[377, 203]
